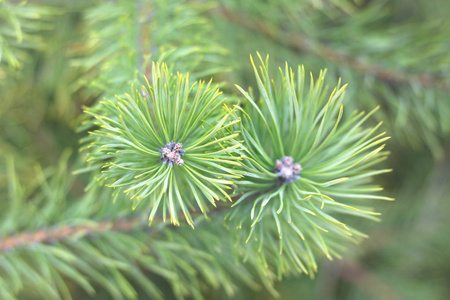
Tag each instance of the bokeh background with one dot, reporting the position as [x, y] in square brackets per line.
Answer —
[58, 56]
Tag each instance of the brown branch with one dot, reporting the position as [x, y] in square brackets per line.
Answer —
[51, 236]
[299, 43]
[63, 232]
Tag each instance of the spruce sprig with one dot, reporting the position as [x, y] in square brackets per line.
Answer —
[167, 145]
[304, 167]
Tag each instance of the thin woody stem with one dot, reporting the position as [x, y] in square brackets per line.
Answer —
[55, 234]
[49, 236]
[299, 43]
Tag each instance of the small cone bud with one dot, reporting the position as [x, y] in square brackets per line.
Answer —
[287, 170]
[171, 154]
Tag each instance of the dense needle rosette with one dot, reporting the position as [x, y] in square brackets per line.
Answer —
[167, 144]
[306, 170]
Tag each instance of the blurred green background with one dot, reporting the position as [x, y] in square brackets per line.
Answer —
[58, 56]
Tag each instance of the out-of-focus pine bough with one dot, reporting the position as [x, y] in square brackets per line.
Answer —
[392, 55]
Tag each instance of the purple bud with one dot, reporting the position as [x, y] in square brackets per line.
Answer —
[171, 153]
[286, 170]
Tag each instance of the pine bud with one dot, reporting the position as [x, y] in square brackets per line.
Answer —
[286, 171]
[171, 153]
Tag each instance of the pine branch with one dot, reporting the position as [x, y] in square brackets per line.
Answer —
[56, 234]
[304, 167]
[20, 28]
[124, 37]
[124, 148]
[298, 184]
[164, 138]
[369, 36]
[84, 251]
[49, 236]
[300, 43]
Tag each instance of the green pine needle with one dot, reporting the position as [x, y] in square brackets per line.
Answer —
[304, 168]
[136, 129]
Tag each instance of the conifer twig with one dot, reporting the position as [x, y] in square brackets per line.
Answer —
[299, 43]
[58, 233]
[51, 236]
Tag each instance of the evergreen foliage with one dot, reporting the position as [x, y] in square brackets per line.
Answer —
[20, 28]
[189, 123]
[296, 127]
[390, 59]
[123, 37]
[136, 164]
